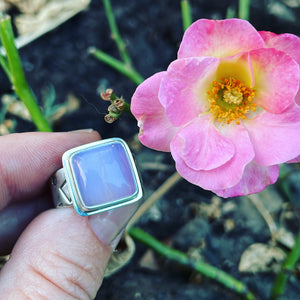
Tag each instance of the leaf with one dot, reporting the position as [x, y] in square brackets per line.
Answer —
[121, 256]
[261, 258]
[285, 237]
[16, 107]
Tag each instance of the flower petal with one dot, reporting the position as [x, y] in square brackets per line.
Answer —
[276, 79]
[219, 38]
[294, 160]
[156, 131]
[145, 98]
[267, 35]
[183, 89]
[201, 146]
[255, 179]
[222, 177]
[286, 42]
[275, 137]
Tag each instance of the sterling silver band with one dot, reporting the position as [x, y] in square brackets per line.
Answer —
[60, 190]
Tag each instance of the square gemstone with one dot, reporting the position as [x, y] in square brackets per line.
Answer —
[103, 175]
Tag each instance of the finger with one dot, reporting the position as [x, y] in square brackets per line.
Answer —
[16, 216]
[28, 160]
[62, 256]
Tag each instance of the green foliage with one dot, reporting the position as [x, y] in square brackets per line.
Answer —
[13, 68]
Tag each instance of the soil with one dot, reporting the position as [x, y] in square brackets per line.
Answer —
[152, 30]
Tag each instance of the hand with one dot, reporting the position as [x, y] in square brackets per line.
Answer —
[60, 255]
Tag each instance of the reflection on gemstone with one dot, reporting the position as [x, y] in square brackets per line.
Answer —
[104, 174]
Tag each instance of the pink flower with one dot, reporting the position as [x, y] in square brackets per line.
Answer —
[227, 107]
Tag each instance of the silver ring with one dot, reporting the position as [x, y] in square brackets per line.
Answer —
[97, 177]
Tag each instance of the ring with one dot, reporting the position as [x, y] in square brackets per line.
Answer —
[97, 177]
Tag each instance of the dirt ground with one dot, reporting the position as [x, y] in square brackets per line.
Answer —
[187, 217]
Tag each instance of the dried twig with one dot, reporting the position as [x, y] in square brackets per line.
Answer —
[163, 189]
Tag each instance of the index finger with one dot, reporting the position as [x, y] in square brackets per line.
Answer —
[27, 160]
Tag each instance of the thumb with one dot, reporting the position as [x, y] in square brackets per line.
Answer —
[62, 255]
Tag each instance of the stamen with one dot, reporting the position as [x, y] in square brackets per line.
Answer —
[230, 100]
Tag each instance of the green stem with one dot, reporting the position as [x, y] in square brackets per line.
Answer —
[244, 9]
[17, 76]
[115, 32]
[287, 268]
[5, 66]
[123, 68]
[186, 14]
[202, 267]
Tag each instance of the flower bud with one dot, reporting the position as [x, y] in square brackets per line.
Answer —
[109, 119]
[107, 94]
[119, 103]
[113, 108]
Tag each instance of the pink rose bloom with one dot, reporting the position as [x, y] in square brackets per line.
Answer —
[227, 107]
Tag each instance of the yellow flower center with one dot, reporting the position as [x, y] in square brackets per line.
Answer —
[230, 100]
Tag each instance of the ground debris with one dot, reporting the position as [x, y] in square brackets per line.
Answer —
[38, 17]
[261, 258]
[210, 211]
[16, 107]
[149, 261]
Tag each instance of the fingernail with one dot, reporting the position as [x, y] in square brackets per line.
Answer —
[108, 226]
[88, 130]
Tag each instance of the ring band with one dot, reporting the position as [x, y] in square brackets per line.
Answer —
[97, 177]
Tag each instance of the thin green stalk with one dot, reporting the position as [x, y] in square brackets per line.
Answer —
[123, 68]
[115, 32]
[230, 12]
[286, 270]
[186, 14]
[202, 267]
[244, 9]
[17, 76]
[5, 66]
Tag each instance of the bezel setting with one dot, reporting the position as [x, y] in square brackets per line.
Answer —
[75, 189]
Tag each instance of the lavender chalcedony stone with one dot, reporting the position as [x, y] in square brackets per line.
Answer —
[103, 174]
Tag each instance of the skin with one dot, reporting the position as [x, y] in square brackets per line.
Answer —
[58, 255]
